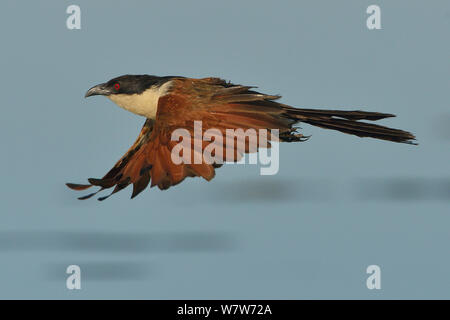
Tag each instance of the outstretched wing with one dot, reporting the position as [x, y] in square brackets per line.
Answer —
[133, 167]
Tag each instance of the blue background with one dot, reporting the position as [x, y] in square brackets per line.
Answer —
[338, 204]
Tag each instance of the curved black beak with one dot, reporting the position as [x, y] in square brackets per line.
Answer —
[100, 89]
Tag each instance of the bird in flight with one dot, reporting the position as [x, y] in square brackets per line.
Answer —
[171, 102]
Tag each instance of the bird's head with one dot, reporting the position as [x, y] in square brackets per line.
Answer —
[127, 84]
[136, 93]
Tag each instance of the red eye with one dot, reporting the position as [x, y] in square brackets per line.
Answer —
[116, 86]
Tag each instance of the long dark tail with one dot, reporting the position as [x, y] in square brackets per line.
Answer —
[347, 122]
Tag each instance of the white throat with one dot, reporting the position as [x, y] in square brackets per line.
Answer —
[144, 104]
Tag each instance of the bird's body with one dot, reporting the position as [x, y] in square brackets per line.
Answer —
[172, 103]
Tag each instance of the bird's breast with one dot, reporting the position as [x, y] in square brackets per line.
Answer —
[143, 104]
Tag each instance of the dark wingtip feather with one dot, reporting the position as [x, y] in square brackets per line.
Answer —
[95, 181]
[140, 185]
[121, 185]
[90, 194]
[104, 183]
[104, 198]
[87, 196]
[79, 187]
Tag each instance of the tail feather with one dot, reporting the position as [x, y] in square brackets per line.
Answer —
[349, 115]
[346, 122]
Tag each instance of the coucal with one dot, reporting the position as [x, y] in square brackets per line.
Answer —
[172, 102]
